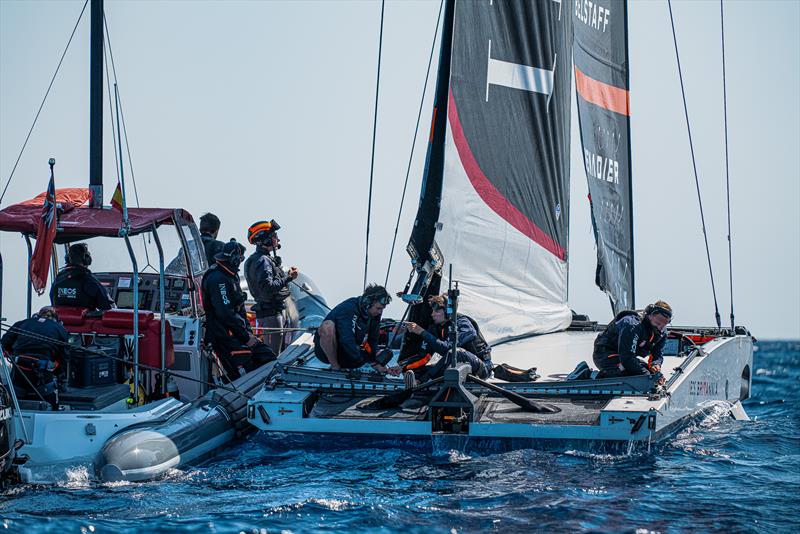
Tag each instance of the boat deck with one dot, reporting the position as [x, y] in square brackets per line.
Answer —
[576, 411]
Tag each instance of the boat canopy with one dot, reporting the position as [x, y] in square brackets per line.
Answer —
[77, 221]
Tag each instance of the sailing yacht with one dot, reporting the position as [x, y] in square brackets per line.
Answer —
[492, 226]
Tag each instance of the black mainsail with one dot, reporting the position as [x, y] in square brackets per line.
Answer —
[602, 85]
[495, 195]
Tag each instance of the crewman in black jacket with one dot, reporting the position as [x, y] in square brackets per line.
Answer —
[209, 230]
[227, 329]
[38, 345]
[267, 282]
[348, 337]
[471, 347]
[75, 285]
[631, 336]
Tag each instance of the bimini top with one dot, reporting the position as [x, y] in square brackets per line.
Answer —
[76, 221]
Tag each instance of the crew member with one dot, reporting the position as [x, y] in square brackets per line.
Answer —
[267, 282]
[227, 329]
[209, 230]
[348, 337]
[75, 285]
[631, 336]
[38, 346]
[471, 347]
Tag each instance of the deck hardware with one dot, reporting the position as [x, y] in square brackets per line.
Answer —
[638, 424]
[264, 415]
[90, 429]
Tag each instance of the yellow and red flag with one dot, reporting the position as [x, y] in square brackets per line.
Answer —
[117, 200]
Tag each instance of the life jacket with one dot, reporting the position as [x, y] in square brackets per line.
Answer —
[480, 347]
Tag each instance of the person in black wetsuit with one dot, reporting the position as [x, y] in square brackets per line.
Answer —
[631, 336]
[227, 328]
[348, 337]
[209, 230]
[39, 346]
[75, 285]
[471, 347]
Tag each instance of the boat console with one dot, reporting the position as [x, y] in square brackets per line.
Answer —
[120, 288]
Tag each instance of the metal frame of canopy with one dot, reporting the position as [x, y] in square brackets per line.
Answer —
[82, 223]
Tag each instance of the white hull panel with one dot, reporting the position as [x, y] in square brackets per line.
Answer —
[695, 386]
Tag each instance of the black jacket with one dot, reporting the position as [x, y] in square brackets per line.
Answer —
[267, 282]
[356, 332]
[223, 301]
[630, 335]
[75, 285]
[211, 246]
[436, 339]
[18, 343]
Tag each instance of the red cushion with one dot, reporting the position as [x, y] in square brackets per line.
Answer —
[71, 316]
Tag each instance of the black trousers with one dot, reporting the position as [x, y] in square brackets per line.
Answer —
[481, 369]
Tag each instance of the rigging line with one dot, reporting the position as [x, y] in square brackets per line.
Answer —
[52, 80]
[413, 143]
[111, 114]
[694, 166]
[124, 130]
[122, 114]
[727, 168]
[374, 135]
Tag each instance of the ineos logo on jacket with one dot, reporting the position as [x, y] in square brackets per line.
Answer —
[223, 292]
[68, 292]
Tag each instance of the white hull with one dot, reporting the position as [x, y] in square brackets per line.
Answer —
[59, 442]
[695, 385]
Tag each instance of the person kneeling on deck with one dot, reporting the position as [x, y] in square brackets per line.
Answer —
[268, 283]
[38, 346]
[75, 285]
[472, 348]
[348, 337]
[227, 328]
[631, 336]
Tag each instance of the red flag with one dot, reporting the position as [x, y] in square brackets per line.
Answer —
[46, 233]
[117, 200]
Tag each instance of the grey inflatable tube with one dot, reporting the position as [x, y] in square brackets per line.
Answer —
[145, 453]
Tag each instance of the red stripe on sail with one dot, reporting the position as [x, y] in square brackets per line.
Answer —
[602, 94]
[489, 193]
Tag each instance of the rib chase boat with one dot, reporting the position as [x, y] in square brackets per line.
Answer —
[494, 208]
[139, 394]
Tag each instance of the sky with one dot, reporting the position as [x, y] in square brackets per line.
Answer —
[264, 109]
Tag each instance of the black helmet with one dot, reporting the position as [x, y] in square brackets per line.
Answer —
[232, 254]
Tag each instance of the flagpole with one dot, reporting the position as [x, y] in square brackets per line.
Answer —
[126, 224]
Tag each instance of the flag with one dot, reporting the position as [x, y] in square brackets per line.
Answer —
[45, 235]
[117, 200]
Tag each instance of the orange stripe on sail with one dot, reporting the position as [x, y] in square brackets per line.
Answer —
[602, 94]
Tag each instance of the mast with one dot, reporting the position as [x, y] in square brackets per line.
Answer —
[96, 106]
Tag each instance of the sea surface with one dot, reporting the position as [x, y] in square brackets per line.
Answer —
[717, 475]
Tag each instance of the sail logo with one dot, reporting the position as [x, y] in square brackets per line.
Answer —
[518, 76]
[592, 14]
[601, 167]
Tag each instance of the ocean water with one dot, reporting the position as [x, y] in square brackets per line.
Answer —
[717, 475]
